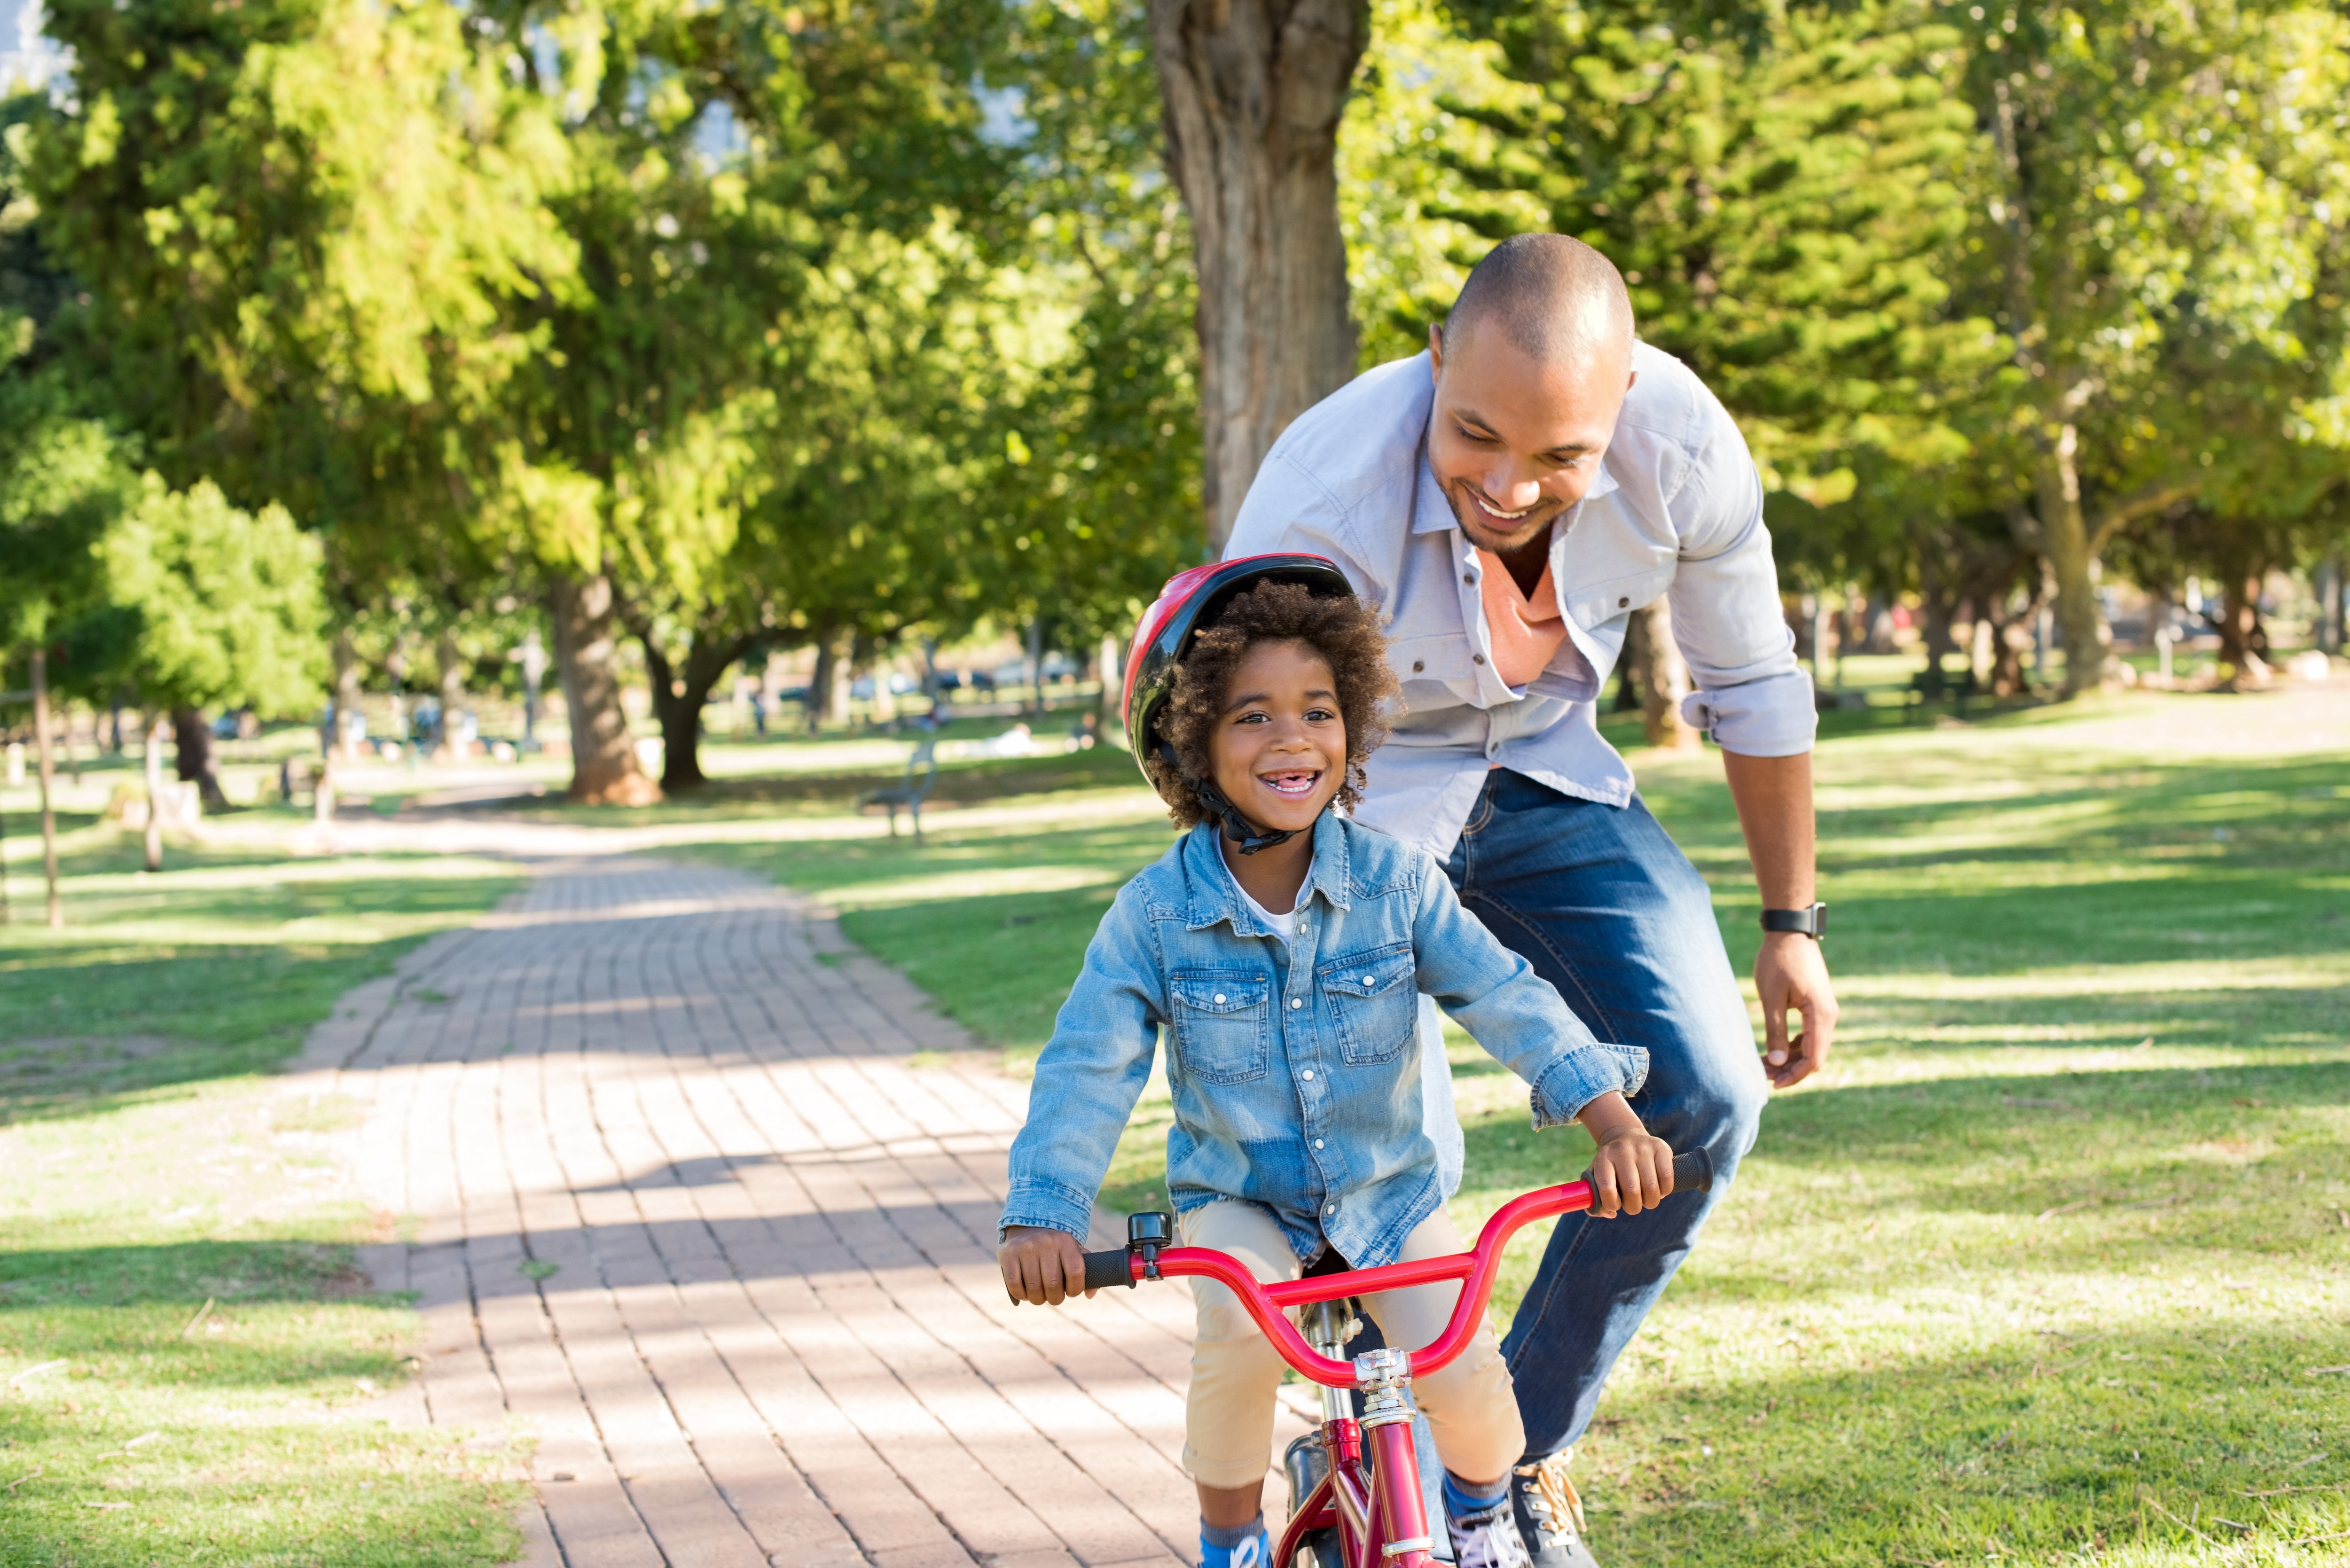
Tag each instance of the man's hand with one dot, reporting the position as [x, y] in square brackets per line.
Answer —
[1040, 1265]
[1630, 1171]
[1790, 975]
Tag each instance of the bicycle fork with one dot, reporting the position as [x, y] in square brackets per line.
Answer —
[1376, 1506]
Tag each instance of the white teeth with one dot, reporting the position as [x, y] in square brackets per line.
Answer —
[1505, 516]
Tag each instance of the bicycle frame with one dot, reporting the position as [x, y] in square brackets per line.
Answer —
[1371, 1493]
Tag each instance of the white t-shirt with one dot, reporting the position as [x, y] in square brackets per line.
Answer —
[1284, 926]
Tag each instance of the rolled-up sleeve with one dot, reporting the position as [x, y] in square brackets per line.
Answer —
[1088, 1077]
[1516, 1015]
[1749, 691]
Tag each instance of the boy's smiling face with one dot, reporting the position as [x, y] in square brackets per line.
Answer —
[1279, 745]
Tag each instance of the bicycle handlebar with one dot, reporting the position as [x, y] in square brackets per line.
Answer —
[1268, 1304]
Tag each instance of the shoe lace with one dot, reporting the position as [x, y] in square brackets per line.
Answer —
[1489, 1540]
[1556, 1494]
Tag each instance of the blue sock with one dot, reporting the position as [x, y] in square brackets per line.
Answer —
[1240, 1546]
[1460, 1504]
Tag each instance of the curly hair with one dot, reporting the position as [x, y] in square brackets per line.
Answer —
[1344, 632]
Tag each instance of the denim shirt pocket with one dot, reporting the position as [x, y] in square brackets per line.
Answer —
[1373, 1003]
[1222, 1023]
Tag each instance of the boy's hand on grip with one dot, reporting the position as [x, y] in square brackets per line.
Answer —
[1631, 1170]
[1044, 1266]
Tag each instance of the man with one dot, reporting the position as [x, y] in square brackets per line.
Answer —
[1506, 501]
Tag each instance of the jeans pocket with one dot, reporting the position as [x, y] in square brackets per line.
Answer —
[1221, 1022]
[1373, 1003]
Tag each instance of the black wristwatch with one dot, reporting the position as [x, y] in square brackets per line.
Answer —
[1812, 922]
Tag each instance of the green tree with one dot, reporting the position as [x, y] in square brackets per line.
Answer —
[1779, 192]
[209, 605]
[2164, 183]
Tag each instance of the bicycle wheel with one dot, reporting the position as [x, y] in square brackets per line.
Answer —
[1306, 1464]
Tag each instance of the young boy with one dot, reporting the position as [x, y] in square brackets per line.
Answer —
[1282, 947]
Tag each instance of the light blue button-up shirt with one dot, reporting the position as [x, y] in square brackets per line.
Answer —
[1296, 1067]
[1675, 513]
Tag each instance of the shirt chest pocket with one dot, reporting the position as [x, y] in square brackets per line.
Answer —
[1374, 1006]
[1221, 1022]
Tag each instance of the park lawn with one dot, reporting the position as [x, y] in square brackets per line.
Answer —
[185, 1335]
[2051, 1265]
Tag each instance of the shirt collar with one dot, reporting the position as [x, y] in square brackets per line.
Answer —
[1215, 897]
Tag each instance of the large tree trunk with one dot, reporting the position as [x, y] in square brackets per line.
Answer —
[347, 694]
[1253, 90]
[192, 745]
[679, 693]
[2241, 637]
[1939, 604]
[1664, 680]
[604, 769]
[452, 670]
[2064, 540]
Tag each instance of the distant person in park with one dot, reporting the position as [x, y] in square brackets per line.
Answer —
[1282, 947]
[1504, 502]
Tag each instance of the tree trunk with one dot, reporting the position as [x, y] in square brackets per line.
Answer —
[2239, 632]
[451, 667]
[1937, 622]
[347, 694]
[1037, 667]
[679, 693]
[1113, 686]
[192, 744]
[1664, 680]
[48, 817]
[822, 688]
[1628, 665]
[604, 769]
[1251, 91]
[153, 762]
[2064, 540]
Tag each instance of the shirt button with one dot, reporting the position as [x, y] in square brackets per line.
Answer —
[1418, 665]
[1309, 1075]
[1469, 578]
[1332, 1209]
[1296, 1003]
[1621, 603]
[1476, 658]
[1367, 980]
[1219, 999]
[1317, 1143]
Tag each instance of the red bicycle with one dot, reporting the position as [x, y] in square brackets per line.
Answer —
[1368, 1492]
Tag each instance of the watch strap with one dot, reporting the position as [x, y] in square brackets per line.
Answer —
[1812, 922]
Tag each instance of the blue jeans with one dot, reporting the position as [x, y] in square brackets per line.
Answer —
[1606, 906]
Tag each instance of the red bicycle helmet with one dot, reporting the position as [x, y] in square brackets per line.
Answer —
[1190, 601]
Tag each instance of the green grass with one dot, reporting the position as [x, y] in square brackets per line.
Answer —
[149, 1168]
[2048, 1267]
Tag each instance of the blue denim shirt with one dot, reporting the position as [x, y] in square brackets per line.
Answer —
[1295, 1070]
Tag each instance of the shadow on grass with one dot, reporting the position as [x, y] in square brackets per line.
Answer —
[179, 1275]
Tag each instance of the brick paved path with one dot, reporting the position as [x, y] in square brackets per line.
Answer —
[690, 1213]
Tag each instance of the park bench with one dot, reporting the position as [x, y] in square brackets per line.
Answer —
[922, 772]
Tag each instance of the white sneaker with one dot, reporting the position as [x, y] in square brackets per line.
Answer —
[1487, 1540]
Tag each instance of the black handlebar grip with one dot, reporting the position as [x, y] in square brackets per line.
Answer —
[1693, 1171]
[1104, 1269]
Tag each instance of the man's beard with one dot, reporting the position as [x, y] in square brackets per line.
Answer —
[1536, 525]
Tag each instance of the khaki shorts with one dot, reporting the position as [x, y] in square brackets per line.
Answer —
[1228, 1418]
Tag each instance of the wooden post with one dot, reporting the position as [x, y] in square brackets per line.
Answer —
[48, 817]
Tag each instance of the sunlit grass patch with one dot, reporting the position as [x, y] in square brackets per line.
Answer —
[185, 1339]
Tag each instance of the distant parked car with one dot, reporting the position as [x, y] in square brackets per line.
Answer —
[861, 688]
[980, 680]
[946, 681]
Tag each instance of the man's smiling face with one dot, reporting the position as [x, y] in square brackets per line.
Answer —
[1516, 440]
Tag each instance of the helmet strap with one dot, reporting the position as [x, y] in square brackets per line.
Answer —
[1246, 836]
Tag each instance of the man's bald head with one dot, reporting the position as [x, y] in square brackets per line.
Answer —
[1553, 299]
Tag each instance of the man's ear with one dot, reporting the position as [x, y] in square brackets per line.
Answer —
[1435, 350]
